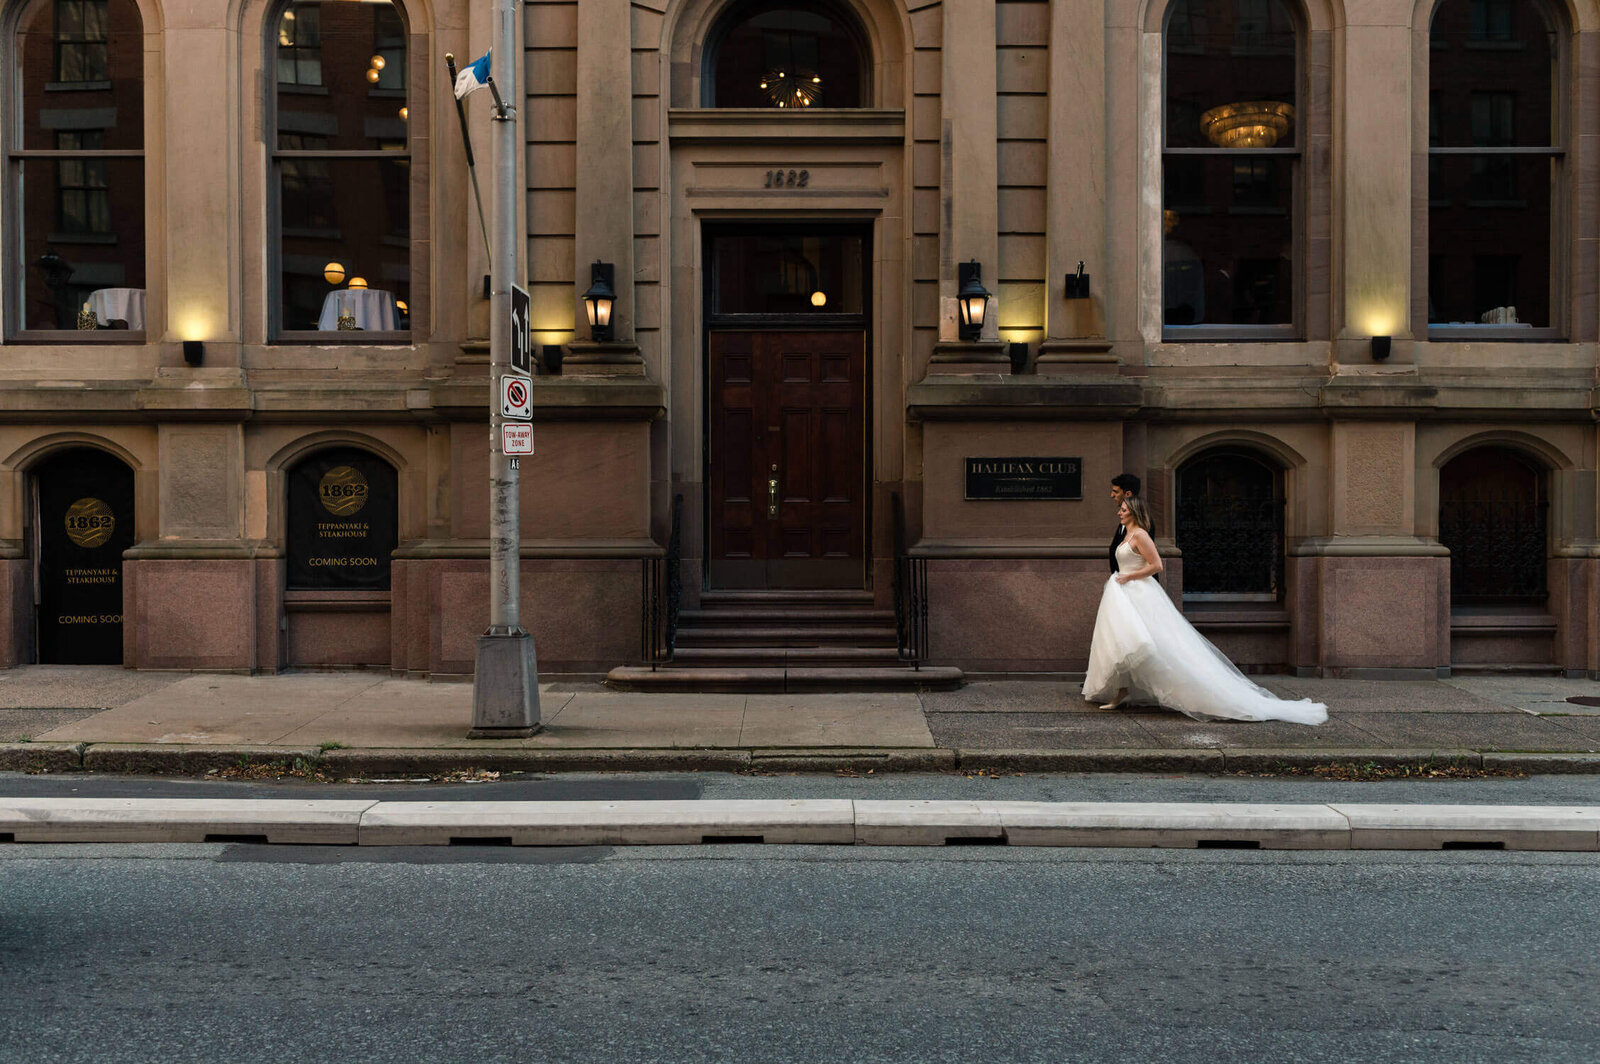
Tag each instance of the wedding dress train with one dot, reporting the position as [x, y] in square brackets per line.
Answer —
[1141, 642]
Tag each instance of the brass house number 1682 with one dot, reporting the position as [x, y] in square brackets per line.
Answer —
[787, 179]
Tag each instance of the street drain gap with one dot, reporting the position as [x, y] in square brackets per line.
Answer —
[248, 840]
[480, 840]
[1228, 844]
[721, 840]
[1472, 844]
[8, 836]
[975, 840]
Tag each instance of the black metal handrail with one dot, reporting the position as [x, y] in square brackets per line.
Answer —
[910, 593]
[663, 595]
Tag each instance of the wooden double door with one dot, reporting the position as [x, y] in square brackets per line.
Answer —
[787, 469]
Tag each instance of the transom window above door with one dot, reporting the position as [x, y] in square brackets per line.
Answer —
[786, 56]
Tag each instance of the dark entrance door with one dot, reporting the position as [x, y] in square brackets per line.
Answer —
[787, 466]
[85, 522]
[786, 405]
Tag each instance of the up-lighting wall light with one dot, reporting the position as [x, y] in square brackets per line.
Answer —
[972, 299]
[599, 300]
[1380, 347]
[194, 352]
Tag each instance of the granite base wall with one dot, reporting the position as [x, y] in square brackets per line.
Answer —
[583, 613]
[190, 613]
[1371, 615]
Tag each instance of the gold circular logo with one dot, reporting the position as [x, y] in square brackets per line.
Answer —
[343, 491]
[90, 522]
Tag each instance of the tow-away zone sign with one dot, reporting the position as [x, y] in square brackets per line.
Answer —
[516, 438]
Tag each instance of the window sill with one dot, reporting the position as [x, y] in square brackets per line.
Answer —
[331, 601]
[1228, 334]
[344, 338]
[1469, 333]
[77, 337]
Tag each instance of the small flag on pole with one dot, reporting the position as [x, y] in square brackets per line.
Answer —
[473, 76]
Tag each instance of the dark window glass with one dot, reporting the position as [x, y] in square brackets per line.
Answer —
[1494, 167]
[788, 274]
[77, 166]
[775, 55]
[1228, 250]
[1230, 526]
[1493, 518]
[1231, 166]
[344, 220]
[82, 27]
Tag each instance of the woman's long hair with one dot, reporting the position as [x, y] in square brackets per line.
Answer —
[1138, 511]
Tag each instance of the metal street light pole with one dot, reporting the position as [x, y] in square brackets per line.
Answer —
[505, 694]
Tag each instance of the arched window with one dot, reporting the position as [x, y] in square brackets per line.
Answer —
[77, 172]
[343, 521]
[1492, 516]
[1230, 527]
[341, 152]
[1231, 169]
[767, 54]
[1495, 170]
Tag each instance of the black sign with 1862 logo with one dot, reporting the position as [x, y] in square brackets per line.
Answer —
[85, 520]
[343, 522]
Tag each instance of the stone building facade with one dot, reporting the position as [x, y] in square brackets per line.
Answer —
[1339, 309]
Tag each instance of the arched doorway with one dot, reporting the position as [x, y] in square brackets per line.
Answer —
[1493, 518]
[83, 522]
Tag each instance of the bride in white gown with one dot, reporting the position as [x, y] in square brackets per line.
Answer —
[1144, 650]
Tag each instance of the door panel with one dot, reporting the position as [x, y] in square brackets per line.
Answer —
[788, 407]
[85, 517]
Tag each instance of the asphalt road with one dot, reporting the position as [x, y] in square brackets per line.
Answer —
[241, 953]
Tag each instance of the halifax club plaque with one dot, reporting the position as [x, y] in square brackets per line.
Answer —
[1025, 478]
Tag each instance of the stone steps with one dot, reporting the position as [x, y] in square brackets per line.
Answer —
[785, 641]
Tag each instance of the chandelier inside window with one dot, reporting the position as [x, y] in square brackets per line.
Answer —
[1252, 124]
[792, 88]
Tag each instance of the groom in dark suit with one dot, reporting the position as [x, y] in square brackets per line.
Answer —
[1123, 486]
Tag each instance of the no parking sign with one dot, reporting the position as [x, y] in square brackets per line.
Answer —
[516, 397]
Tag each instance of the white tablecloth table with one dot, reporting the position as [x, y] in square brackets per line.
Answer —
[373, 309]
[118, 304]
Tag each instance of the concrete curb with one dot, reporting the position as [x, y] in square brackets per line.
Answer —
[41, 757]
[181, 759]
[820, 821]
[1111, 760]
[167, 759]
[1270, 761]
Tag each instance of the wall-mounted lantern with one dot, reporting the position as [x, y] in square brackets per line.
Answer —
[971, 298]
[1380, 347]
[600, 299]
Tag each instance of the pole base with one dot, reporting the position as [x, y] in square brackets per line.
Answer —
[505, 687]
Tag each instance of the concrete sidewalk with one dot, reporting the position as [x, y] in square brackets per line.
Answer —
[110, 718]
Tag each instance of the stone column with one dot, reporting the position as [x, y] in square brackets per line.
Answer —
[969, 205]
[192, 590]
[1076, 219]
[195, 231]
[1373, 294]
[604, 194]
